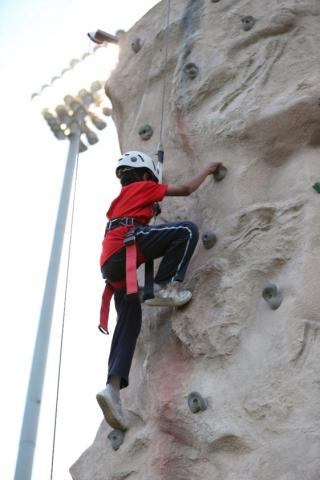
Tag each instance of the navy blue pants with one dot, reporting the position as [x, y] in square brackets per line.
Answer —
[175, 242]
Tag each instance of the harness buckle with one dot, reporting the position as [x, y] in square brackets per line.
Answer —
[123, 221]
[130, 238]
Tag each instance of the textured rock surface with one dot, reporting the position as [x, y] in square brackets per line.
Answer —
[255, 105]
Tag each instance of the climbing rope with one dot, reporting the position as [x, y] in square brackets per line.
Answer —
[63, 318]
[165, 71]
[160, 152]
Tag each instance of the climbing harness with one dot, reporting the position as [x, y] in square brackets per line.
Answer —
[120, 222]
[133, 259]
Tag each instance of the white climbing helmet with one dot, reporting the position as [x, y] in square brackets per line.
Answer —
[136, 159]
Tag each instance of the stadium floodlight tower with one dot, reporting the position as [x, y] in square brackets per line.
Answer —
[74, 119]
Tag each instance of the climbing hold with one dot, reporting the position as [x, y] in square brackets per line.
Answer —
[116, 438]
[191, 70]
[136, 45]
[146, 132]
[248, 22]
[209, 239]
[220, 173]
[316, 186]
[272, 295]
[196, 402]
[215, 1]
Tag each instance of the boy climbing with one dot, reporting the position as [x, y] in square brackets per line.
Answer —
[130, 241]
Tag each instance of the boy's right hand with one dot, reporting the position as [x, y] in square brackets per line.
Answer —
[212, 167]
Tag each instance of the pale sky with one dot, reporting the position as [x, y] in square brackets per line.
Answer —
[38, 40]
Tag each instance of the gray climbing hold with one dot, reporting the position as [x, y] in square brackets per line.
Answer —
[220, 173]
[191, 70]
[209, 239]
[272, 295]
[146, 132]
[248, 22]
[116, 438]
[196, 402]
[136, 45]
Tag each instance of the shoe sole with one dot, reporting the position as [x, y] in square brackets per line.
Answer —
[166, 302]
[109, 414]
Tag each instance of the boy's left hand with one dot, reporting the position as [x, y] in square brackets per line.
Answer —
[212, 167]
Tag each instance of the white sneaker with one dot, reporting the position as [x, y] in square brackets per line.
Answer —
[110, 405]
[169, 297]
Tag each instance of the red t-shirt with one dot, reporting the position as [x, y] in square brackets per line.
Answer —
[135, 201]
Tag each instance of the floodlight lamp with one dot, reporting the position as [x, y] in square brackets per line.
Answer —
[98, 123]
[91, 137]
[49, 117]
[82, 147]
[95, 86]
[86, 97]
[80, 115]
[68, 99]
[59, 134]
[101, 37]
[63, 114]
[75, 105]
[77, 108]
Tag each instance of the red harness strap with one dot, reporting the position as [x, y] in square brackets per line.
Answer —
[131, 269]
[105, 303]
[133, 259]
[131, 263]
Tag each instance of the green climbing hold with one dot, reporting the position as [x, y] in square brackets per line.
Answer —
[316, 186]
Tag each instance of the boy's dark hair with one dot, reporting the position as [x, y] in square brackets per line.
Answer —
[129, 175]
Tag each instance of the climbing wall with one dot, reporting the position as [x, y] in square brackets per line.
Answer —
[243, 87]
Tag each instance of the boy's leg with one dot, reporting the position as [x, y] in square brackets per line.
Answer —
[122, 347]
[128, 321]
[125, 336]
[175, 242]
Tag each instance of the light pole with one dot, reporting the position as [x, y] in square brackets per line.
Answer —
[76, 116]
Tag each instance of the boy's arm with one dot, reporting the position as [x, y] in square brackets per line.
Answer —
[190, 186]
